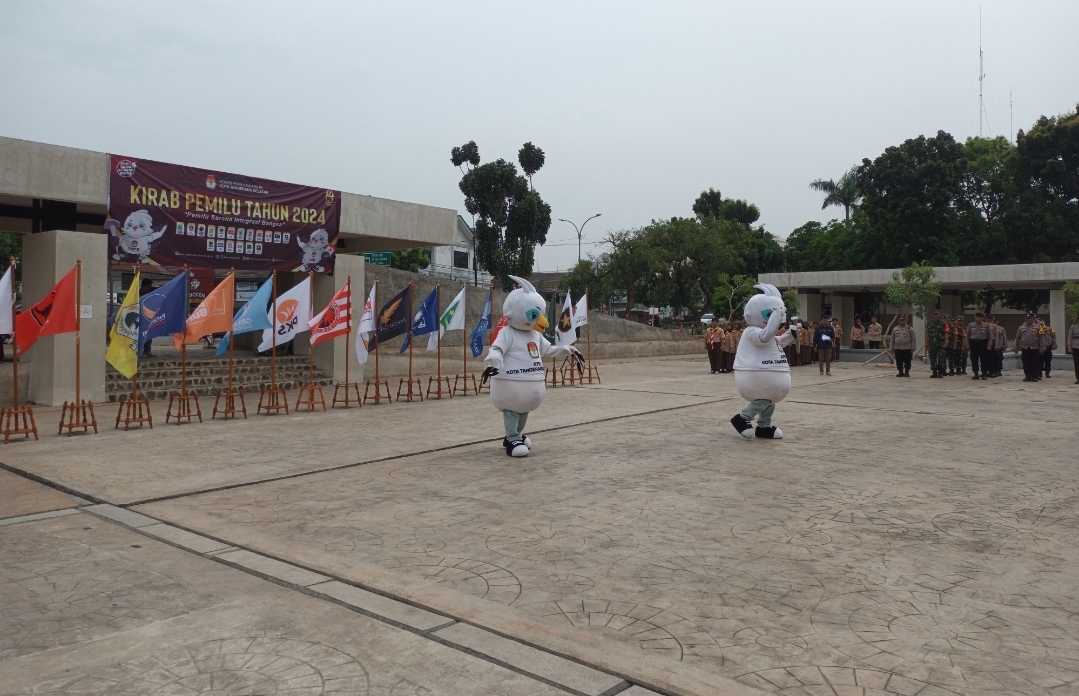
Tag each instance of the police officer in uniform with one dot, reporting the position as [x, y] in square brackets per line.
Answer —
[977, 342]
[1029, 343]
[936, 333]
[1049, 338]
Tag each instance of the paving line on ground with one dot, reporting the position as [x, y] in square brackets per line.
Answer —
[220, 556]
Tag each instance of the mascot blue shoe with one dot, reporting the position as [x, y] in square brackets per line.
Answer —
[514, 363]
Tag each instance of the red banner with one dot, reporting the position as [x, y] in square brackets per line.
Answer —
[169, 215]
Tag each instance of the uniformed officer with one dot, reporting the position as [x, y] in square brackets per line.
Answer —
[1029, 343]
[1002, 345]
[990, 369]
[936, 334]
[1049, 338]
[956, 361]
[977, 342]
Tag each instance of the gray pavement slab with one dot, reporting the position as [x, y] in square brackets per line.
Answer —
[382, 606]
[106, 610]
[184, 538]
[582, 679]
[21, 496]
[285, 572]
[126, 517]
[37, 516]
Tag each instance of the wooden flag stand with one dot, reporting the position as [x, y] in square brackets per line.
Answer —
[461, 379]
[410, 394]
[554, 376]
[78, 413]
[347, 385]
[230, 393]
[310, 389]
[437, 381]
[377, 383]
[134, 408]
[16, 419]
[273, 398]
[183, 400]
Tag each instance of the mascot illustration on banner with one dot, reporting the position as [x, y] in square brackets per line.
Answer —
[136, 238]
[315, 249]
[514, 363]
[761, 373]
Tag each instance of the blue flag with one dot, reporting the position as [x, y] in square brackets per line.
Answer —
[481, 328]
[425, 320]
[252, 316]
[163, 310]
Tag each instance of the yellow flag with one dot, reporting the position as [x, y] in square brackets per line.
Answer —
[123, 353]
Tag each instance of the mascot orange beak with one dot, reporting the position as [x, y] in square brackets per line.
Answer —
[541, 323]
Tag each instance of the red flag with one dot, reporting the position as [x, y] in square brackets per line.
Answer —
[334, 320]
[501, 322]
[54, 314]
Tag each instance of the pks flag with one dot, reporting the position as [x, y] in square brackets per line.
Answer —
[564, 333]
[53, 314]
[253, 316]
[213, 315]
[293, 313]
[334, 320]
[453, 319]
[393, 319]
[123, 352]
[366, 327]
[7, 294]
[580, 312]
[425, 320]
[163, 310]
[476, 337]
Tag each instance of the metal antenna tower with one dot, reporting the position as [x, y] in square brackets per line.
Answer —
[981, 75]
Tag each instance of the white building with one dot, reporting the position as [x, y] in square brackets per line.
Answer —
[457, 262]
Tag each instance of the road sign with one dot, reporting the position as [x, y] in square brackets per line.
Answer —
[377, 258]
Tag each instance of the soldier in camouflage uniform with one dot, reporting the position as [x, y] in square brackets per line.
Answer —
[957, 354]
[936, 333]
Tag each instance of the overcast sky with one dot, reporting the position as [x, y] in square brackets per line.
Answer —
[639, 107]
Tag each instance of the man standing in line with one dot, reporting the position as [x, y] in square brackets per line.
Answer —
[823, 341]
[1002, 345]
[713, 339]
[936, 335]
[873, 333]
[1029, 343]
[1049, 338]
[989, 369]
[903, 343]
[977, 342]
[1071, 345]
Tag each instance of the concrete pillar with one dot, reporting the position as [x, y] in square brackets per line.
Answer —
[919, 331]
[809, 304]
[951, 303]
[1057, 318]
[330, 355]
[843, 310]
[47, 257]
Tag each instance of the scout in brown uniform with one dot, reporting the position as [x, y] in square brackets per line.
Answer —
[977, 342]
[713, 338]
[1029, 343]
[1071, 345]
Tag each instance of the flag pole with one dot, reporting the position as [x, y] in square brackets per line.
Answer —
[348, 334]
[591, 367]
[131, 408]
[12, 423]
[310, 388]
[438, 357]
[276, 399]
[377, 344]
[230, 393]
[409, 394]
[75, 413]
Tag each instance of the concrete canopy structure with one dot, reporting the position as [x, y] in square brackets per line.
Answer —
[844, 285]
[62, 193]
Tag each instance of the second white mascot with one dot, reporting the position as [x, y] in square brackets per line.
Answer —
[514, 363]
[761, 373]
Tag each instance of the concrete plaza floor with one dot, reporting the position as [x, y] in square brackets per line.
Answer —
[906, 537]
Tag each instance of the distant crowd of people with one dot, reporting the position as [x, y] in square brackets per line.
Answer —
[949, 343]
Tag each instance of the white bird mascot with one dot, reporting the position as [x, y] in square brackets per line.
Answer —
[761, 373]
[514, 363]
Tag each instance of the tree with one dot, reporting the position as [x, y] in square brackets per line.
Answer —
[1045, 223]
[531, 160]
[511, 217]
[731, 293]
[589, 275]
[1024, 300]
[1071, 292]
[843, 193]
[712, 205]
[689, 255]
[410, 260]
[632, 265]
[914, 289]
[790, 302]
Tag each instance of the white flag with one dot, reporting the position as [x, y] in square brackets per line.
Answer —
[366, 327]
[453, 319]
[564, 333]
[580, 311]
[293, 314]
[7, 292]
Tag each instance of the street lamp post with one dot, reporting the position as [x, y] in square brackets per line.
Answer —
[580, 232]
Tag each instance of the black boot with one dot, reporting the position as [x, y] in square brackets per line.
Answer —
[742, 425]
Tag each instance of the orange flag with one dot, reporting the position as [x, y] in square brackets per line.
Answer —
[214, 315]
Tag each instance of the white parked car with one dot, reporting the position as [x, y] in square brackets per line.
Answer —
[706, 319]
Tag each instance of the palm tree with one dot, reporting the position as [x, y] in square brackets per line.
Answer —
[843, 192]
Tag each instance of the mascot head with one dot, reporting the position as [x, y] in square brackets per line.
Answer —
[760, 307]
[138, 224]
[320, 239]
[524, 307]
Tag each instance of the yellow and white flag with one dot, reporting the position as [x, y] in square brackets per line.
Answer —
[123, 353]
